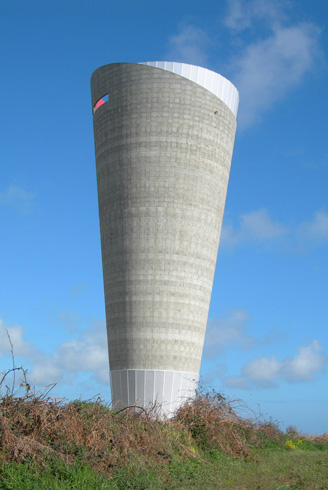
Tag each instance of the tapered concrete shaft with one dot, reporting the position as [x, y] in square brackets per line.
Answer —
[163, 143]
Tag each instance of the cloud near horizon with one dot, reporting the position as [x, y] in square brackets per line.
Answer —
[258, 227]
[254, 226]
[229, 331]
[14, 335]
[87, 353]
[265, 372]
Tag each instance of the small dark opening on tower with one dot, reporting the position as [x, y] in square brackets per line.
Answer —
[100, 102]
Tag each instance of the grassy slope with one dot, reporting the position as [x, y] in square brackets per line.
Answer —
[79, 445]
[276, 470]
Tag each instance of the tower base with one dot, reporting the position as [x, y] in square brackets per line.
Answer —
[168, 390]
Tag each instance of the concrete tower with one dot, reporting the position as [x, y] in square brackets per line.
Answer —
[164, 135]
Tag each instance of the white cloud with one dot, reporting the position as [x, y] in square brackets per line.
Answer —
[17, 198]
[242, 15]
[255, 226]
[264, 70]
[189, 46]
[267, 69]
[86, 353]
[262, 371]
[266, 372]
[317, 228]
[45, 372]
[16, 333]
[309, 361]
[228, 332]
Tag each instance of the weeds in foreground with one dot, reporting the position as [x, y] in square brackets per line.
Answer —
[62, 444]
[37, 427]
[214, 422]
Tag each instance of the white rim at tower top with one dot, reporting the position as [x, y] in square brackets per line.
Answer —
[210, 80]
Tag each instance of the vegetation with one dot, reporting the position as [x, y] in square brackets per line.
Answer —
[48, 444]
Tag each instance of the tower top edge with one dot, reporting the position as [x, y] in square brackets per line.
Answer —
[215, 83]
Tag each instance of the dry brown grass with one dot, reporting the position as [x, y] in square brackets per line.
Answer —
[319, 438]
[36, 427]
[215, 422]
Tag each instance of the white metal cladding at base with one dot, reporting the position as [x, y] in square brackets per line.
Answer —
[212, 81]
[144, 387]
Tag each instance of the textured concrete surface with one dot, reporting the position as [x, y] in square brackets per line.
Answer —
[163, 152]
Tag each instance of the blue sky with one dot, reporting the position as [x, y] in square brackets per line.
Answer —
[267, 335]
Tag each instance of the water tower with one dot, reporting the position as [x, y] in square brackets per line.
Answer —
[164, 135]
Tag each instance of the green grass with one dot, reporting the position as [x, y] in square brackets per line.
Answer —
[271, 469]
[54, 475]
[83, 445]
